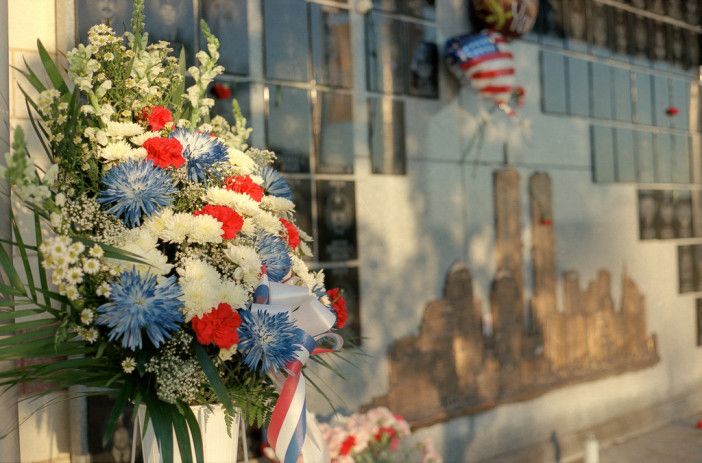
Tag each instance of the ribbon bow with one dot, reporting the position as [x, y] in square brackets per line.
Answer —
[292, 429]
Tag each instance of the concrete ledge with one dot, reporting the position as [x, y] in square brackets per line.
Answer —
[569, 447]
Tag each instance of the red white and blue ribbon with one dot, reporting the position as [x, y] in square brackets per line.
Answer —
[289, 430]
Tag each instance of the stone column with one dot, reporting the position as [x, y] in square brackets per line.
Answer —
[9, 446]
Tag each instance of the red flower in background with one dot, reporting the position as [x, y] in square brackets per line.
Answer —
[164, 152]
[244, 184]
[672, 111]
[292, 233]
[222, 91]
[158, 117]
[218, 327]
[347, 445]
[339, 306]
[228, 217]
[391, 433]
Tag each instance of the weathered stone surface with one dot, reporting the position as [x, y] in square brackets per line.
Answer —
[451, 367]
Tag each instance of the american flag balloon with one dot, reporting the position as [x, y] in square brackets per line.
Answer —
[484, 60]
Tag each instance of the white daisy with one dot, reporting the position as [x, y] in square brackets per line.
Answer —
[86, 316]
[128, 365]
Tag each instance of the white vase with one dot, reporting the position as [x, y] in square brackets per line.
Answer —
[219, 446]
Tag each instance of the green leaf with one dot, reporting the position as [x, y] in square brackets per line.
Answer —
[10, 272]
[31, 76]
[181, 431]
[163, 426]
[117, 410]
[52, 70]
[42, 272]
[23, 254]
[38, 129]
[195, 432]
[213, 377]
[14, 327]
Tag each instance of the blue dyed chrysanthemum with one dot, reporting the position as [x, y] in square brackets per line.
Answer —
[268, 340]
[275, 184]
[201, 151]
[274, 255]
[139, 302]
[134, 188]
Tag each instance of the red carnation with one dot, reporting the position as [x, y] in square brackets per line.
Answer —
[292, 232]
[385, 431]
[347, 445]
[165, 152]
[339, 306]
[244, 184]
[218, 327]
[228, 217]
[158, 117]
[221, 91]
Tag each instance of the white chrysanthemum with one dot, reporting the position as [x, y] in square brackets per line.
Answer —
[124, 129]
[140, 139]
[241, 203]
[141, 242]
[116, 151]
[205, 229]
[227, 354]
[276, 204]
[201, 286]
[304, 236]
[305, 249]
[249, 226]
[246, 258]
[158, 223]
[137, 154]
[268, 222]
[300, 270]
[243, 163]
[233, 294]
[178, 227]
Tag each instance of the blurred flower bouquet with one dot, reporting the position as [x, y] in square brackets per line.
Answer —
[164, 262]
[377, 436]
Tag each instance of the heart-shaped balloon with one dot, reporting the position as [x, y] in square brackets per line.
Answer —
[485, 61]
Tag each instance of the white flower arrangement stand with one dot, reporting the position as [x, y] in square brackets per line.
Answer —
[217, 444]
